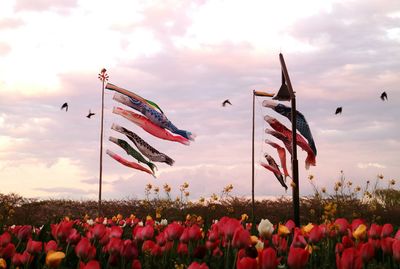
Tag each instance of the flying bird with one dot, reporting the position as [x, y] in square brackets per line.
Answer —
[224, 103]
[90, 114]
[384, 96]
[65, 105]
[338, 110]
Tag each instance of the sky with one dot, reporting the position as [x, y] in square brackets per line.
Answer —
[189, 56]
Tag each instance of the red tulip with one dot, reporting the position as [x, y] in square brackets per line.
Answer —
[268, 259]
[5, 238]
[230, 227]
[136, 264]
[24, 232]
[184, 238]
[182, 249]
[82, 249]
[347, 242]
[194, 232]
[339, 248]
[156, 251]
[315, 234]
[387, 230]
[213, 233]
[114, 246]
[386, 245]
[397, 235]
[280, 243]
[161, 239]
[195, 265]
[355, 223]
[148, 245]
[129, 250]
[34, 247]
[173, 231]
[217, 252]
[375, 242]
[98, 231]
[115, 231]
[367, 252]
[342, 225]
[147, 232]
[167, 247]
[396, 250]
[51, 245]
[374, 231]
[246, 263]
[73, 237]
[21, 259]
[62, 230]
[298, 239]
[241, 238]
[350, 259]
[93, 264]
[290, 225]
[8, 251]
[298, 258]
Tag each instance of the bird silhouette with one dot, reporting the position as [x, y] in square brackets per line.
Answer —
[338, 110]
[384, 96]
[224, 103]
[65, 105]
[90, 114]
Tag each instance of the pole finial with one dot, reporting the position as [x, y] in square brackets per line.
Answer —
[103, 76]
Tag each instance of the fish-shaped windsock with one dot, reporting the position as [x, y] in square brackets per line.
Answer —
[147, 150]
[279, 127]
[128, 163]
[272, 166]
[131, 151]
[149, 126]
[301, 123]
[282, 155]
[286, 141]
[153, 115]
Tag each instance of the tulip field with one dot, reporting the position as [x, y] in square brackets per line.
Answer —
[339, 230]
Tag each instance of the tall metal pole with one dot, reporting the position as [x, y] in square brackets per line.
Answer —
[295, 166]
[252, 169]
[103, 77]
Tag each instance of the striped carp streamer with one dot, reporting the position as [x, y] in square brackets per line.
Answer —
[279, 127]
[274, 168]
[285, 140]
[153, 115]
[301, 123]
[282, 156]
[149, 126]
[128, 163]
[131, 151]
[147, 150]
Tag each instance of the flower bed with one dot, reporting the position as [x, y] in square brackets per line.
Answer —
[228, 243]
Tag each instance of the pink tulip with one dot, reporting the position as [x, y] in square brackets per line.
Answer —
[290, 225]
[147, 232]
[196, 265]
[268, 259]
[246, 263]
[298, 258]
[387, 230]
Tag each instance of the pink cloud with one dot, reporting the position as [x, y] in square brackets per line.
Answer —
[41, 5]
[4, 49]
[8, 23]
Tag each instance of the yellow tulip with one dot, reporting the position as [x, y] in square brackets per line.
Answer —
[306, 229]
[283, 230]
[54, 258]
[360, 232]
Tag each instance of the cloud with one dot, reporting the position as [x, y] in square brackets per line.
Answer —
[366, 165]
[42, 5]
[10, 23]
[4, 49]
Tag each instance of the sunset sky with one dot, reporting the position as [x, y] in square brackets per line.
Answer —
[189, 56]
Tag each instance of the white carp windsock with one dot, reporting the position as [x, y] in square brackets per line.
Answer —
[128, 163]
[274, 168]
[147, 150]
[301, 123]
[282, 155]
[279, 127]
[149, 126]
